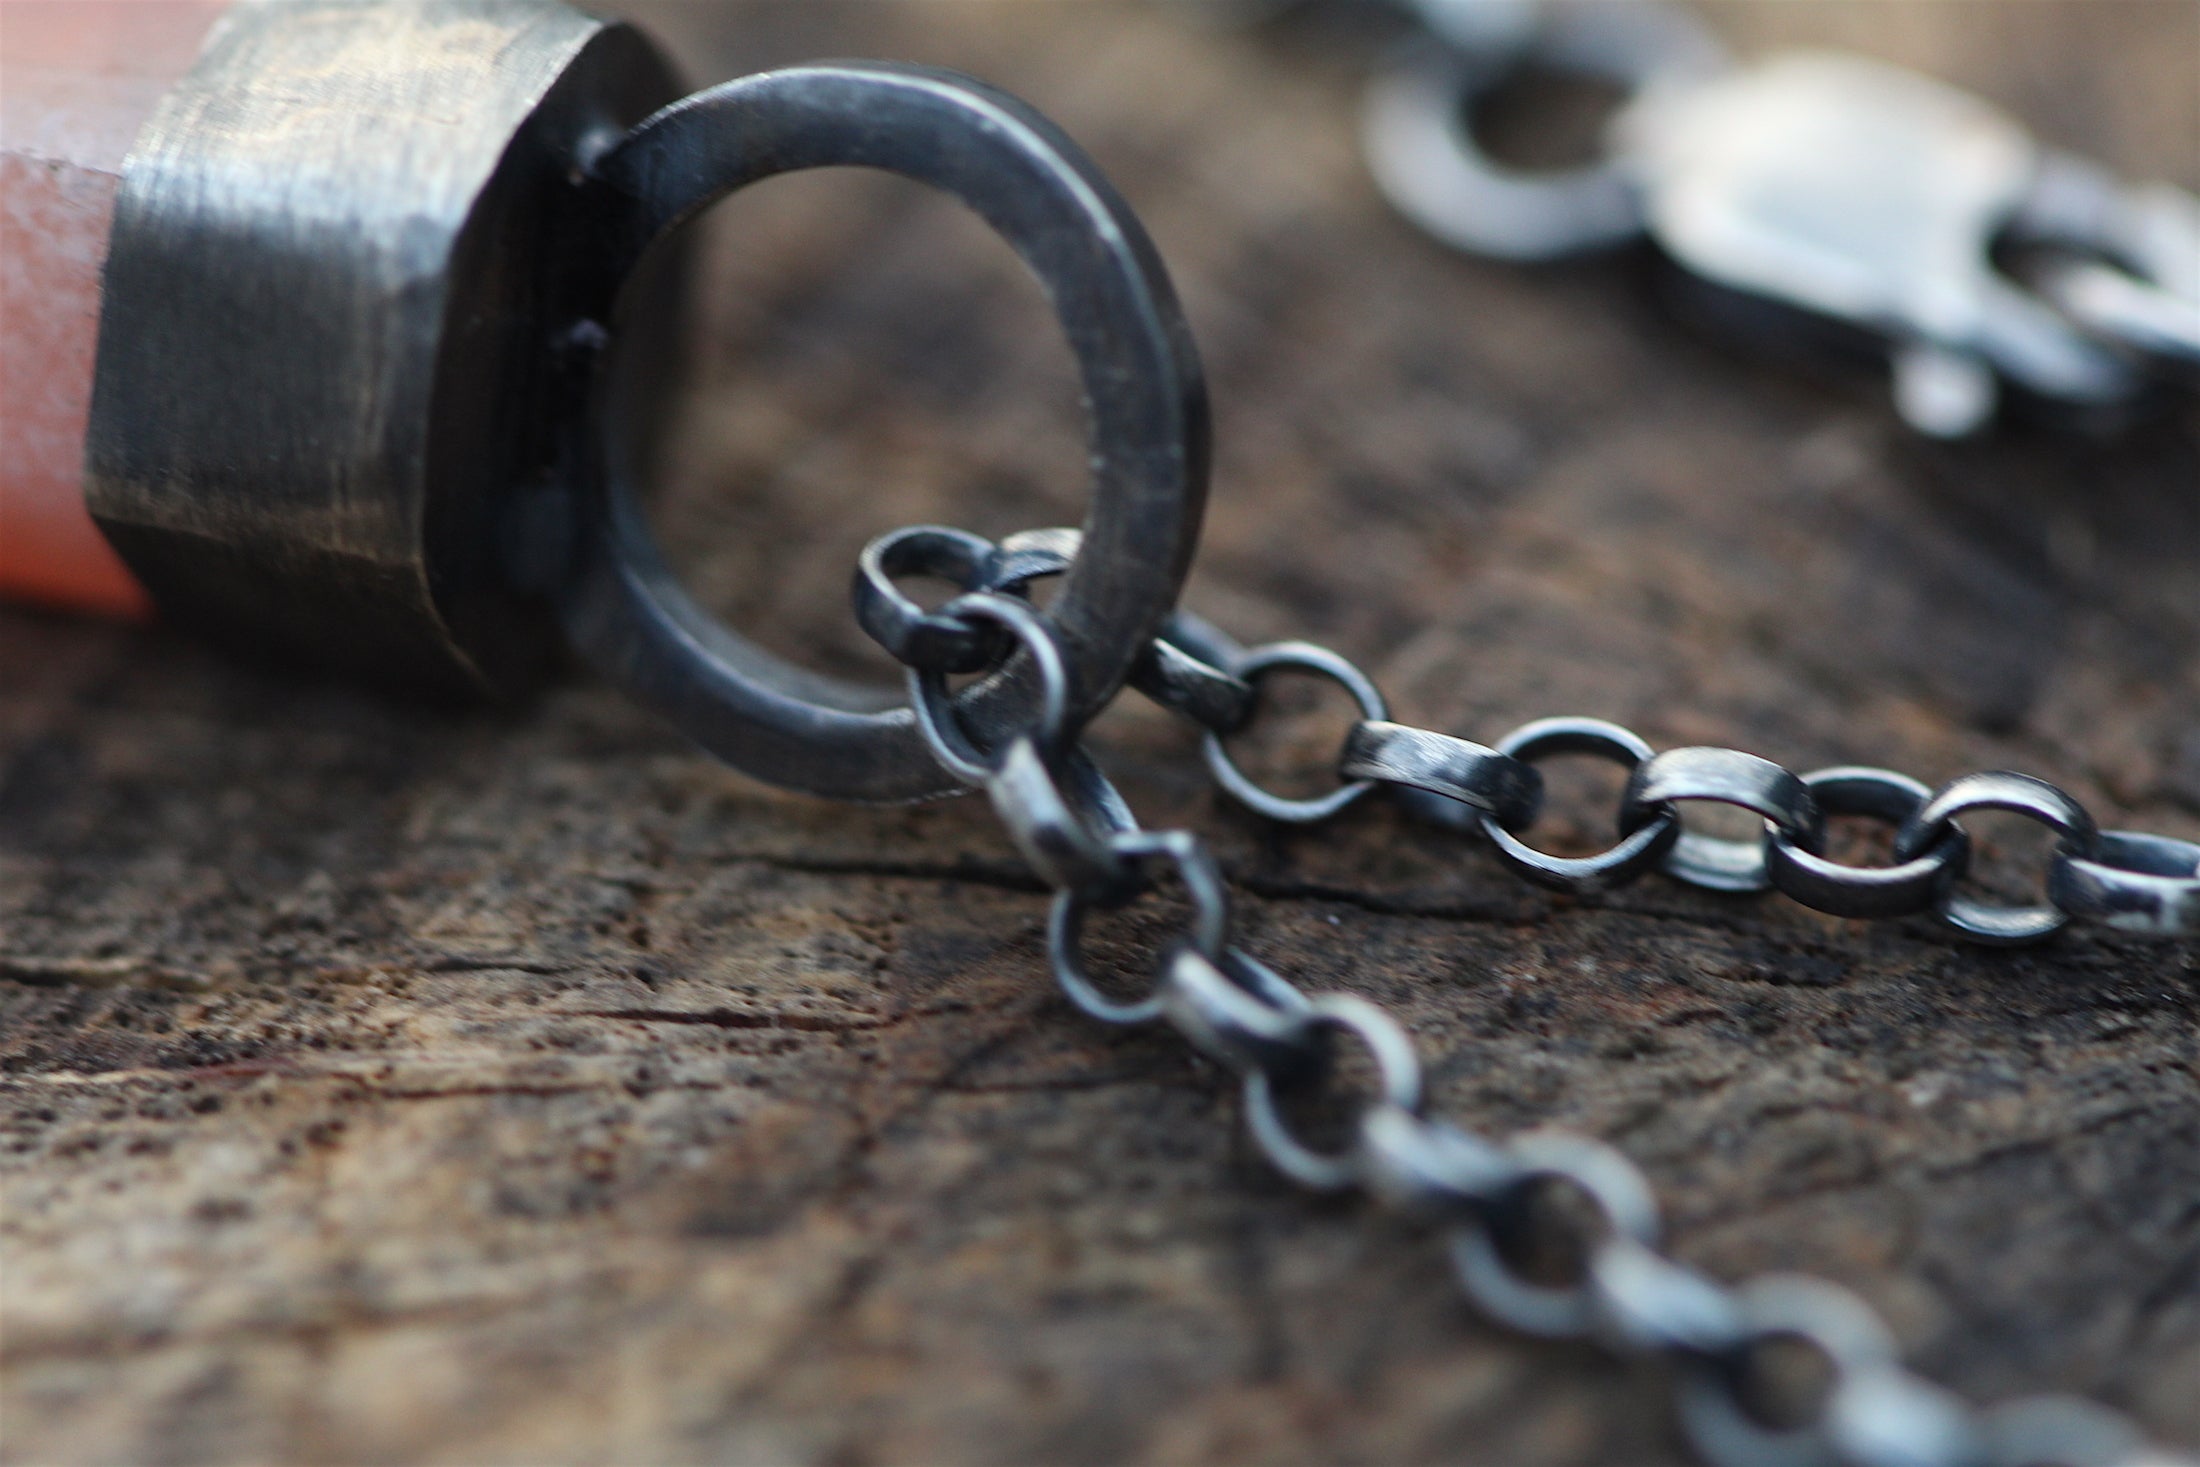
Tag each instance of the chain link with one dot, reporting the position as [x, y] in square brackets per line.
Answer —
[1594, 1270]
[1912, 886]
[1303, 657]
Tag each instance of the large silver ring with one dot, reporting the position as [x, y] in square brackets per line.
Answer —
[622, 607]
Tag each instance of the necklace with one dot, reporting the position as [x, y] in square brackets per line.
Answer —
[1042, 673]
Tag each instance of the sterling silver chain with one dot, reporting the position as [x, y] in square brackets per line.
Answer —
[1552, 1234]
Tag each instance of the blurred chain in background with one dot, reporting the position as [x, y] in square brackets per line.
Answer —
[1809, 190]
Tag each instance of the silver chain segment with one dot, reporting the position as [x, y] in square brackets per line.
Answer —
[1593, 1270]
[2145, 885]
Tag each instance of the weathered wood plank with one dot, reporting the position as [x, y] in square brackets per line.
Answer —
[381, 1083]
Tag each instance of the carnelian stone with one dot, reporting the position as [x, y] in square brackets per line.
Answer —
[77, 80]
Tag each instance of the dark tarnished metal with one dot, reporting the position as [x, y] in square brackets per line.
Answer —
[1063, 825]
[1625, 1209]
[1827, 886]
[1637, 851]
[622, 607]
[2012, 794]
[338, 319]
[1210, 925]
[1237, 1012]
[1295, 657]
[1397, 1088]
[1509, 790]
[1192, 670]
[1727, 777]
[910, 634]
[1186, 669]
[581, 538]
[941, 722]
[934, 641]
[2145, 884]
[1626, 1294]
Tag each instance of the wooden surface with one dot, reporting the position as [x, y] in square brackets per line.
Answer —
[380, 1083]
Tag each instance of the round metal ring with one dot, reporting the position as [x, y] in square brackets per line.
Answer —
[1297, 657]
[1398, 1084]
[2013, 794]
[1210, 933]
[1609, 1180]
[931, 639]
[1472, 776]
[620, 604]
[1726, 777]
[1779, 1306]
[1636, 852]
[941, 722]
[1866, 891]
[2146, 884]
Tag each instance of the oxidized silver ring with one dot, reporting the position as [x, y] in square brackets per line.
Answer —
[622, 607]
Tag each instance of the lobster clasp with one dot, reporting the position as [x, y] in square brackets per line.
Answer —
[1874, 196]
[1826, 187]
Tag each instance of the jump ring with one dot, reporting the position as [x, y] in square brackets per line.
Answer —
[1636, 852]
[1829, 1319]
[936, 715]
[911, 635]
[1398, 1084]
[2013, 794]
[1298, 657]
[1608, 1179]
[1866, 891]
[1210, 930]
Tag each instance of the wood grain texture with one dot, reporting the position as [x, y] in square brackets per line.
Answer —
[390, 1084]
